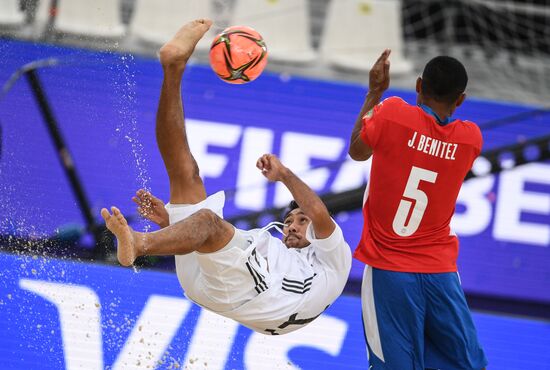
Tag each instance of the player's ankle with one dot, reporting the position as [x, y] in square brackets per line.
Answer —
[140, 244]
[173, 58]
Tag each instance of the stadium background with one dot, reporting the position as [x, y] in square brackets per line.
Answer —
[103, 94]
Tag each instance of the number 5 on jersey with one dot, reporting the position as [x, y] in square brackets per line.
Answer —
[412, 193]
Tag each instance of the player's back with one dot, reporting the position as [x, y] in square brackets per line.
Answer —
[417, 170]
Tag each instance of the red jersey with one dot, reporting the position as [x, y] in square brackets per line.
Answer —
[418, 167]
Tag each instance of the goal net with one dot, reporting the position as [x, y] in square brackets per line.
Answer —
[505, 44]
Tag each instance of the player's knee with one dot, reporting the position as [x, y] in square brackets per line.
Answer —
[209, 219]
[215, 229]
[185, 172]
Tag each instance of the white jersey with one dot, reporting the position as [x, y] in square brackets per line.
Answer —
[258, 281]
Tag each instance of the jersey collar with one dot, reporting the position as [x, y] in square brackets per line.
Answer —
[306, 251]
[430, 111]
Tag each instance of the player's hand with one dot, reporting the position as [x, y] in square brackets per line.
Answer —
[151, 208]
[379, 75]
[271, 167]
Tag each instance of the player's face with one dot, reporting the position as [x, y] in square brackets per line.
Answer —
[295, 229]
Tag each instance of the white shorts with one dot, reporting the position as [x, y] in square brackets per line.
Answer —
[226, 279]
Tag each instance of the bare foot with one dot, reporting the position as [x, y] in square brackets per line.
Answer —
[177, 51]
[126, 237]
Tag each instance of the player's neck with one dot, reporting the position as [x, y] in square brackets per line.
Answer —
[441, 111]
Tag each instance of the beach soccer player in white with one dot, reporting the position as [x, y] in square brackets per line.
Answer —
[270, 285]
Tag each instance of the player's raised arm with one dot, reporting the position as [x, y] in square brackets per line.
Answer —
[309, 202]
[379, 81]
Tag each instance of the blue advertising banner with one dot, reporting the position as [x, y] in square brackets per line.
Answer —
[106, 103]
[69, 315]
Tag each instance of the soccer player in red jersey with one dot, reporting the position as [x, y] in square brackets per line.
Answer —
[414, 311]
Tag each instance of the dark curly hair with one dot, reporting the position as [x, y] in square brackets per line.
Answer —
[444, 79]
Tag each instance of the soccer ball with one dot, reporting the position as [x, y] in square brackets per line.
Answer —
[238, 55]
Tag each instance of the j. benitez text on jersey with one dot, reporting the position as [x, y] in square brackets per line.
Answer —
[432, 146]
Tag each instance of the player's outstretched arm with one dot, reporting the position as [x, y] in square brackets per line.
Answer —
[379, 81]
[151, 208]
[309, 202]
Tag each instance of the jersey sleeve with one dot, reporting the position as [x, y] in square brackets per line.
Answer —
[475, 139]
[334, 252]
[373, 122]
[478, 141]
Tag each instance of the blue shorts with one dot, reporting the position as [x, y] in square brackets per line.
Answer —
[418, 321]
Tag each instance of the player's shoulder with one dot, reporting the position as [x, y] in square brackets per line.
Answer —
[469, 132]
[472, 126]
[390, 109]
[394, 103]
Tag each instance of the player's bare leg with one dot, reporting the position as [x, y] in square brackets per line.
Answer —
[186, 187]
[203, 231]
